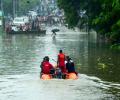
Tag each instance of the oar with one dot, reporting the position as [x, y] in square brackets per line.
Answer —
[54, 60]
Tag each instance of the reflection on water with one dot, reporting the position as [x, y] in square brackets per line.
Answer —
[20, 57]
[104, 62]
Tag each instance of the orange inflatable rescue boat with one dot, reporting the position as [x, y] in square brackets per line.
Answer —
[72, 76]
[46, 77]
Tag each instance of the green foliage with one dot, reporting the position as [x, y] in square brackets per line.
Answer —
[115, 46]
[71, 11]
[103, 15]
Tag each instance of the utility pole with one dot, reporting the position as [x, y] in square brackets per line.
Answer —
[18, 1]
[2, 10]
[13, 5]
[1, 2]
[16, 7]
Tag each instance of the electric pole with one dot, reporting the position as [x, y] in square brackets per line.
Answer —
[2, 10]
[13, 5]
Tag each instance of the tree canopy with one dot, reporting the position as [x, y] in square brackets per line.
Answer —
[103, 15]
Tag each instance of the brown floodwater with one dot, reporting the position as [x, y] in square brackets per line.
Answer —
[20, 57]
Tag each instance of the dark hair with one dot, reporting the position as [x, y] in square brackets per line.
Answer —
[68, 58]
[46, 58]
[60, 51]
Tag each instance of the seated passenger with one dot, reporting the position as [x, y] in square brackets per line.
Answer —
[46, 66]
[70, 65]
[58, 73]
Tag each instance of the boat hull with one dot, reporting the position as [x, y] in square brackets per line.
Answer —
[46, 77]
[71, 76]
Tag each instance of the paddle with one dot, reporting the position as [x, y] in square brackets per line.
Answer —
[54, 60]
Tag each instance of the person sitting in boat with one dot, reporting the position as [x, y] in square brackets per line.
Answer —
[70, 65]
[61, 63]
[58, 73]
[46, 66]
[42, 62]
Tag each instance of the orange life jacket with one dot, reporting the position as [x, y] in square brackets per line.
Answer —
[61, 59]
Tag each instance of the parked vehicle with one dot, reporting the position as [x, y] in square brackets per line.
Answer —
[20, 21]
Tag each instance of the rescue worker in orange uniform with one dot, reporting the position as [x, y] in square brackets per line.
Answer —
[46, 66]
[61, 62]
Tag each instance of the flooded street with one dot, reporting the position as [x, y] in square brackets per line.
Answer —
[20, 57]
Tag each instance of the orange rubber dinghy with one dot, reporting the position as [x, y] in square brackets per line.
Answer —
[72, 76]
[46, 77]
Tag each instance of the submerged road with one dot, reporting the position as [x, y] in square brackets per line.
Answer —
[20, 57]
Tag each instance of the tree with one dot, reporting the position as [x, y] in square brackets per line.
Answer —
[103, 15]
[108, 20]
[71, 10]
